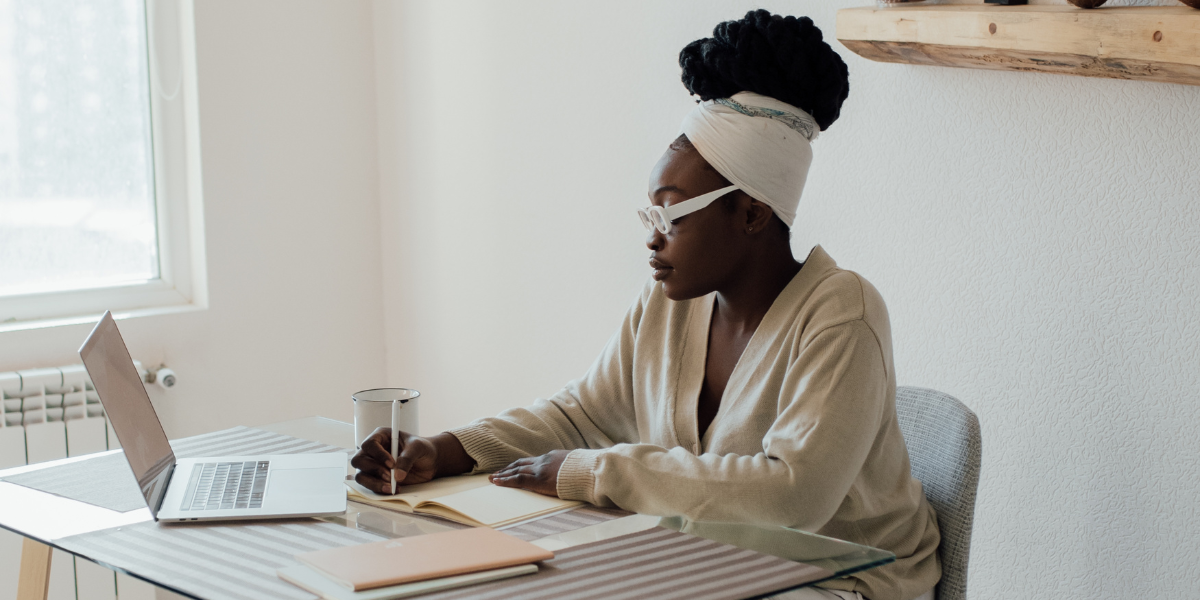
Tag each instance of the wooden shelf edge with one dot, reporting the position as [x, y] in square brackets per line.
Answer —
[1017, 60]
[1144, 43]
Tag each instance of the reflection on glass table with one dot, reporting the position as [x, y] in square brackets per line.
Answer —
[65, 524]
[839, 557]
[386, 523]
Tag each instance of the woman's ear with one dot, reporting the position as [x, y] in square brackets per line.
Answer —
[758, 215]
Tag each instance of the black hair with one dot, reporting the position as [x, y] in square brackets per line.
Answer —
[781, 57]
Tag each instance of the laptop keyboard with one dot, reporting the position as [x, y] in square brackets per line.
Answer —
[218, 485]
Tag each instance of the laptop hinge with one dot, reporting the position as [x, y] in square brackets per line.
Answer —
[163, 496]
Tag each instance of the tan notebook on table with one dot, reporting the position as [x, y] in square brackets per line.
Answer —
[312, 581]
[467, 499]
[422, 557]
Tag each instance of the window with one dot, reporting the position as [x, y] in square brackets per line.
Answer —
[99, 160]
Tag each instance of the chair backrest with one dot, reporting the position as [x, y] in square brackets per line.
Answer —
[944, 447]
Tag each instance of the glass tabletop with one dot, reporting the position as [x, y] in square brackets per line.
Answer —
[49, 518]
[838, 556]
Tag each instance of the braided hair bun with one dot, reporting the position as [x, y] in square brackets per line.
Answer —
[781, 57]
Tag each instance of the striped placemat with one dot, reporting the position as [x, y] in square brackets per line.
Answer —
[107, 481]
[246, 440]
[239, 561]
[578, 518]
[657, 564]
[215, 561]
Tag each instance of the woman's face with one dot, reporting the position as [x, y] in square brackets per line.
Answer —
[703, 249]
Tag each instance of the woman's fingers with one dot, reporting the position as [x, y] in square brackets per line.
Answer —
[366, 462]
[375, 484]
[533, 482]
[528, 466]
[514, 469]
[520, 462]
[409, 453]
[361, 461]
[378, 447]
[374, 460]
[367, 465]
[529, 473]
[536, 474]
[517, 480]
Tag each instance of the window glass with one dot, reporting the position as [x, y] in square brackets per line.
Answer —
[77, 206]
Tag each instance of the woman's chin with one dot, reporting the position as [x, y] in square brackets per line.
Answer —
[674, 290]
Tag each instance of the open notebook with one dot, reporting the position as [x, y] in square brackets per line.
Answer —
[467, 499]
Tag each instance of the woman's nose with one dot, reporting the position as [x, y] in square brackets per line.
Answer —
[654, 239]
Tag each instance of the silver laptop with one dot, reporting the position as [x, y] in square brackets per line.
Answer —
[209, 488]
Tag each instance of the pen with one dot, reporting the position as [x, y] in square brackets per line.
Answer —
[395, 439]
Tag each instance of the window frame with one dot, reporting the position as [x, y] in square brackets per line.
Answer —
[178, 195]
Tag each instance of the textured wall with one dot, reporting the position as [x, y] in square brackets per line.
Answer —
[1036, 238]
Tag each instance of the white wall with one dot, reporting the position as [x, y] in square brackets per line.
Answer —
[1035, 237]
[287, 104]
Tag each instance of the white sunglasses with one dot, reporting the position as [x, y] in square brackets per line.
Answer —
[657, 217]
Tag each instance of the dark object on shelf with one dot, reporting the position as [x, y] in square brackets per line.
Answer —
[1192, 3]
[1087, 3]
[1015, 2]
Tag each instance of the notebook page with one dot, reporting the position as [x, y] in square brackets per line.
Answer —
[414, 495]
[497, 506]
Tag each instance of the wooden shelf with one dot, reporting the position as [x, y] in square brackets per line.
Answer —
[1153, 43]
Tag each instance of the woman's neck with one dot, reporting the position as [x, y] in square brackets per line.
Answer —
[746, 298]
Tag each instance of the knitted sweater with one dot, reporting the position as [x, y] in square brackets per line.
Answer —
[806, 435]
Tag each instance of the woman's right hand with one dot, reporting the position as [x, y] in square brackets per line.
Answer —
[417, 461]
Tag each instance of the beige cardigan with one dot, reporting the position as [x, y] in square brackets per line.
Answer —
[806, 434]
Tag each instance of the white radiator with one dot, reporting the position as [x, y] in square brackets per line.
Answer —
[48, 414]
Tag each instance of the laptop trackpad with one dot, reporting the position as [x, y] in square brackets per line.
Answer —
[294, 483]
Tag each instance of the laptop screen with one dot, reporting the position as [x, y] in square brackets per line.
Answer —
[129, 410]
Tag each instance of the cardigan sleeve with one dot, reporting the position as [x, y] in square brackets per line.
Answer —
[837, 386]
[594, 411]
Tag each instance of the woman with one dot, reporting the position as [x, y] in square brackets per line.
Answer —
[743, 386]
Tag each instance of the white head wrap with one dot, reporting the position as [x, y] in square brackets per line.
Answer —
[759, 144]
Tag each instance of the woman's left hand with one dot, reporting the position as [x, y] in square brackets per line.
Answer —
[536, 474]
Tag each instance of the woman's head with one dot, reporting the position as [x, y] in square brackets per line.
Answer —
[762, 146]
[705, 249]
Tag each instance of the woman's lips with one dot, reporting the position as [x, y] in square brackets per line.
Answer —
[661, 269]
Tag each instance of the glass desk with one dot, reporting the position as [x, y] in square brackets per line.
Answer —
[45, 519]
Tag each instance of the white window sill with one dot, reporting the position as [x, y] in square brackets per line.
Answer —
[83, 319]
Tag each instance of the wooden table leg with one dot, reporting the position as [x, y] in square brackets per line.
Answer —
[34, 581]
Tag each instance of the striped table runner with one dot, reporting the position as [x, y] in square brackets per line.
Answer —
[246, 440]
[238, 561]
[584, 516]
[235, 561]
[657, 564]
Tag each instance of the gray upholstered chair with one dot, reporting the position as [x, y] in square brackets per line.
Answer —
[944, 447]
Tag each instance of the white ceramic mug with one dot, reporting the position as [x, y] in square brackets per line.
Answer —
[373, 409]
